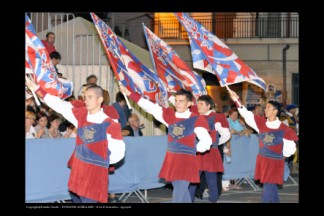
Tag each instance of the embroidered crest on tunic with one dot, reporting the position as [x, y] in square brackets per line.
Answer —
[268, 138]
[178, 130]
[88, 134]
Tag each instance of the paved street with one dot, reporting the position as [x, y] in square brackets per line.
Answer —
[288, 194]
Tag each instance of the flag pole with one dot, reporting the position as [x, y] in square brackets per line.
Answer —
[126, 98]
[34, 95]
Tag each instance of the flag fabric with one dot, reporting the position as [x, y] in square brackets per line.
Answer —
[135, 76]
[209, 53]
[38, 65]
[171, 69]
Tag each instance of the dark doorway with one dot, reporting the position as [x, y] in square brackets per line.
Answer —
[295, 88]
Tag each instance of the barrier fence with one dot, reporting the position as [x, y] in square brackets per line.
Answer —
[47, 172]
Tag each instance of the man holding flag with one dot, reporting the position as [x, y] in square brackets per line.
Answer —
[99, 143]
[276, 141]
[180, 165]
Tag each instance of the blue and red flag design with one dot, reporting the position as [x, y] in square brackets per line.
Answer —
[171, 69]
[135, 76]
[39, 65]
[209, 53]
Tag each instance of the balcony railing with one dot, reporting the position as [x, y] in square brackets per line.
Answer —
[229, 27]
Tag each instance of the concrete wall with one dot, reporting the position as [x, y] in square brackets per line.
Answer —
[132, 22]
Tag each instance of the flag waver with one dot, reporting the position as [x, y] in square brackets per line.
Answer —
[135, 76]
[171, 69]
[209, 53]
[39, 66]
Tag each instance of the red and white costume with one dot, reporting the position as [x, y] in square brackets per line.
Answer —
[89, 178]
[180, 161]
[276, 141]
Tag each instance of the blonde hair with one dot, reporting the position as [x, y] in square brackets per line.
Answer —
[29, 114]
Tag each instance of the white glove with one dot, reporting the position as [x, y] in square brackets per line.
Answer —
[201, 147]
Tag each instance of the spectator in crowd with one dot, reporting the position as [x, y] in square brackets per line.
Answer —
[122, 109]
[134, 127]
[93, 79]
[293, 124]
[226, 109]
[88, 182]
[180, 165]
[276, 141]
[283, 117]
[30, 103]
[29, 121]
[257, 110]
[247, 129]
[41, 127]
[70, 132]
[234, 123]
[53, 126]
[49, 42]
[56, 59]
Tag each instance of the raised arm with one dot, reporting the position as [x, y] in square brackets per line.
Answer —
[247, 115]
[145, 104]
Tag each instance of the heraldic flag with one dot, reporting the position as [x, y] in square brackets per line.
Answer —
[209, 53]
[134, 75]
[39, 66]
[171, 69]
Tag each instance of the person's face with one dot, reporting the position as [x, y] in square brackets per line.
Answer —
[181, 103]
[91, 100]
[292, 111]
[134, 122]
[234, 116]
[51, 39]
[29, 121]
[42, 121]
[270, 111]
[55, 61]
[55, 124]
[30, 102]
[93, 80]
[203, 108]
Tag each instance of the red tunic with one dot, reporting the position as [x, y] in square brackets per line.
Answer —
[178, 166]
[270, 170]
[87, 179]
[110, 111]
[211, 161]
